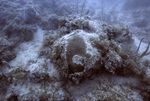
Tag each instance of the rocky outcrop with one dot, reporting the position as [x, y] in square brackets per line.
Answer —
[86, 51]
[81, 54]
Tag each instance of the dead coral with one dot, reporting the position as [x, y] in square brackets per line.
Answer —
[110, 55]
[67, 25]
[118, 34]
[122, 35]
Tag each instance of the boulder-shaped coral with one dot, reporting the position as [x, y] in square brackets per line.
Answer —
[76, 52]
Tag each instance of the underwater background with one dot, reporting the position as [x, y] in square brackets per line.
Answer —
[74, 50]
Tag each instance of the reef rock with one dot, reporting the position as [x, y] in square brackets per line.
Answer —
[82, 54]
[82, 51]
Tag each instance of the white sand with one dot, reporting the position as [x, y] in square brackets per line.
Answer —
[28, 51]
